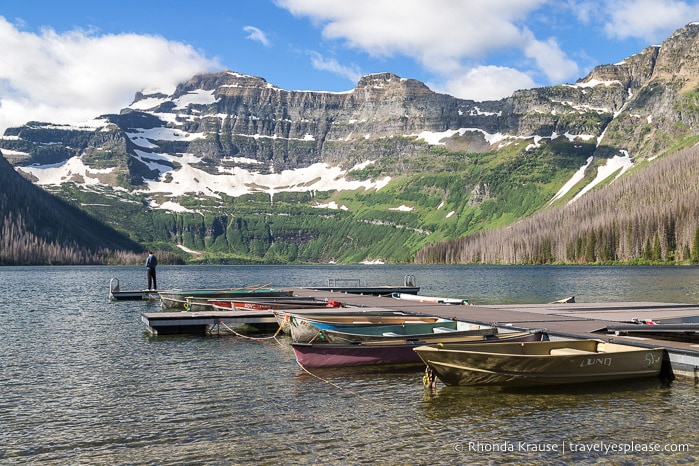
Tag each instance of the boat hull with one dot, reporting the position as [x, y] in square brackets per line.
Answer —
[292, 304]
[541, 363]
[306, 330]
[198, 300]
[346, 315]
[429, 299]
[380, 290]
[311, 355]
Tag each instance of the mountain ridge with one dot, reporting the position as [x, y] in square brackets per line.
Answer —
[222, 136]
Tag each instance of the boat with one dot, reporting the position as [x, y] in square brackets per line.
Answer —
[266, 304]
[303, 330]
[540, 363]
[568, 300]
[682, 331]
[429, 299]
[347, 315]
[312, 355]
[355, 286]
[197, 299]
[305, 327]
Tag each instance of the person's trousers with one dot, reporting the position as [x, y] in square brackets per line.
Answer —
[151, 279]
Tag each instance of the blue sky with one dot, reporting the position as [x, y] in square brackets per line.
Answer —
[72, 60]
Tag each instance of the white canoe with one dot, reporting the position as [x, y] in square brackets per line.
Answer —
[429, 299]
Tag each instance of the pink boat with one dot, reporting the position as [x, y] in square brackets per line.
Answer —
[311, 355]
[266, 305]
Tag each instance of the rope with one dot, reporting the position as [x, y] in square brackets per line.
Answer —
[330, 383]
[319, 334]
[429, 380]
[254, 287]
[252, 338]
[364, 398]
[426, 379]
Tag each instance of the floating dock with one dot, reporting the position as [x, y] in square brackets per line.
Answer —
[207, 323]
[134, 295]
[337, 285]
[614, 322]
[117, 294]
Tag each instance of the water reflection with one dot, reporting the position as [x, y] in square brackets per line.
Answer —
[81, 381]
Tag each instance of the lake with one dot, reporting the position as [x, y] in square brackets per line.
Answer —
[84, 383]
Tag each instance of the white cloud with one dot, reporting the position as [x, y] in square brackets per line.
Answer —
[650, 20]
[352, 73]
[550, 58]
[257, 35]
[447, 38]
[584, 10]
[485, 83]
[78, 75]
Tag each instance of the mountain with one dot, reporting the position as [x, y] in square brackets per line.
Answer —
[648, 216]
[38, 228]
[233, 168]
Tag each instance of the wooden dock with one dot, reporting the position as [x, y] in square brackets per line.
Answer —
[117, 294]
[561, 321]
[209, 322]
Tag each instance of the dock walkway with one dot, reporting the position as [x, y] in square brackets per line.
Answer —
[564, 320]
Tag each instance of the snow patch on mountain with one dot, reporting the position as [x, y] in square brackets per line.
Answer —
[575, 179]
[617, 164]
[72, 169]
[435, 138]
[594, 83]
[331, 205]
[187, 179]
[402, 208]
[171, 206]
[148, 103]
[197, 97]
[145, 137]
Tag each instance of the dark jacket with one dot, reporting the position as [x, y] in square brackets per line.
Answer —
[151, 262]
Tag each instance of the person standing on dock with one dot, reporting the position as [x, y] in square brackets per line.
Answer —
[151, 263]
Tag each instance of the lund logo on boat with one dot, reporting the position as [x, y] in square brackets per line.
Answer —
[596, 362]
[651, 359]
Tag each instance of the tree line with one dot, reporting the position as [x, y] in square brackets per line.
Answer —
[648, 216]
[19, 246]
[39, 229]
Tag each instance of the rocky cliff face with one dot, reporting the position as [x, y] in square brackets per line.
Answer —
[641, 105]
[247, 113]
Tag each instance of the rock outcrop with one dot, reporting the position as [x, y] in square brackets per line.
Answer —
[641, 105]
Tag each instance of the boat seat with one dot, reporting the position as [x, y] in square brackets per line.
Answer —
[442, 330]
[568, 352]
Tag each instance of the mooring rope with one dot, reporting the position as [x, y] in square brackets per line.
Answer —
[431, 387]
[252, 338]
[364, 398]
[329, 382]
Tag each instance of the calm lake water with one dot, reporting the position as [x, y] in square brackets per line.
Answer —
[83, 383]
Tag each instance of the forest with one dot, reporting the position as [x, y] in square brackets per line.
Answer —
[648, 216]
[37, 228]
